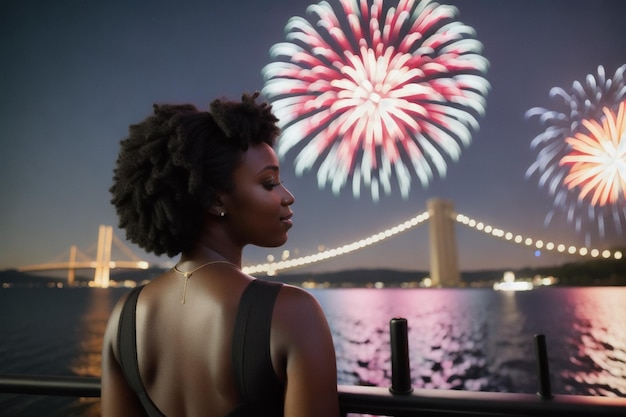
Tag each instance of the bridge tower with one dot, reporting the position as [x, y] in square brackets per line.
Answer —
[103, 257]
[444, 268]
[71, 272]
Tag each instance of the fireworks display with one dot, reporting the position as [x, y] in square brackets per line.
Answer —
[581, 156]
[374, 93]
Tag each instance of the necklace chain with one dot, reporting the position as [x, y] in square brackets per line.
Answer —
[188, 274]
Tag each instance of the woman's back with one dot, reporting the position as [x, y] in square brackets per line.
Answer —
[184, 350]
[187, 371]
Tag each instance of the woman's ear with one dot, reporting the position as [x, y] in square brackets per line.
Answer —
[217, 208]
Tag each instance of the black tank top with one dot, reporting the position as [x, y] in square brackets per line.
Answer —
[261, 391]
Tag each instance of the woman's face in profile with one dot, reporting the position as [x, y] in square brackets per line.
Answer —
[258, 209]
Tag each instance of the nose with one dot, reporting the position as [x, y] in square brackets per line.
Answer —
[288, 198]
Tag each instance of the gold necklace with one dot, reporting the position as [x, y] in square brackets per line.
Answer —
[188, 274]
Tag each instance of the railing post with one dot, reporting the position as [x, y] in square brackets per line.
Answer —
[400, 366]
[543, 368]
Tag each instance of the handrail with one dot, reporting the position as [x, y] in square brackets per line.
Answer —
[377, 400]
[61, 386]
[439, 403]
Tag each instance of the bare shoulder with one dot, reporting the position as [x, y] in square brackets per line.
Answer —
[305, 342]
[293, 294]
[298, 315]
[297, 301]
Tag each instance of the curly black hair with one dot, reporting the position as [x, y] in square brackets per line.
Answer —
[172, 164]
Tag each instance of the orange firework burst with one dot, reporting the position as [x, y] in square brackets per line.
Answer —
[581, 154]
[597, 162]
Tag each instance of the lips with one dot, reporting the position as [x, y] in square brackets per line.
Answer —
[287, 219]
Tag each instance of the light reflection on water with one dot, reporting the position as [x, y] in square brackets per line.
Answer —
[89, 360]
[482, 340]
[597, 358]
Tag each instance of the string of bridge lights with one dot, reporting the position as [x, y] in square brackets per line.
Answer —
[536, 243]
[271, 267]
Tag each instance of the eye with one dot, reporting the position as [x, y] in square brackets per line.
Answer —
[270, 185]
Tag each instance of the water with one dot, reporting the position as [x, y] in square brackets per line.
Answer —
[470, 339]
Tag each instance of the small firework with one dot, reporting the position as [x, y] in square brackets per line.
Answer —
[581, 156]
[375, 92]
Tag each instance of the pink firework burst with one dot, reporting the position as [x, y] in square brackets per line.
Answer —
[374, 93]
[581, 157]
[597, 161]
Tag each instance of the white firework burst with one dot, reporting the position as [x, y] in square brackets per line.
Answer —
[374, 92]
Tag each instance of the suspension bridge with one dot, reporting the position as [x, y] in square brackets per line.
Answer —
[440, 214]
[442, 219]
[102, 265]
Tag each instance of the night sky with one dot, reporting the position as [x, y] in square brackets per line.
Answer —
[75, 74]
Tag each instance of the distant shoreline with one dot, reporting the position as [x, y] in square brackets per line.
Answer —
[597, 272]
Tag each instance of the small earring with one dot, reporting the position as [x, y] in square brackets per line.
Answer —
[222, 214]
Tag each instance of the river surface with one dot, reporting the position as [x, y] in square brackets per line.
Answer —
[469, 339]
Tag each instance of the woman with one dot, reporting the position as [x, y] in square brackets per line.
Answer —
[205, 339]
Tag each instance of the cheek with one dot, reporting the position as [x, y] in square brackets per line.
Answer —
[259, 221]
[260, 203]
[258, 209]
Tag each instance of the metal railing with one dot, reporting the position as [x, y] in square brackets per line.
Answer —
[379, 401]
[398, 400]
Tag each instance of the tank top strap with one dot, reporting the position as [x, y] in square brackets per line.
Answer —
[127, 348]
[252, 362]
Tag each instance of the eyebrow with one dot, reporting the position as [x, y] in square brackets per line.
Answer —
[268, 168]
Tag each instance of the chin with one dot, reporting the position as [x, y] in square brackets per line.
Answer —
[274, 244]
